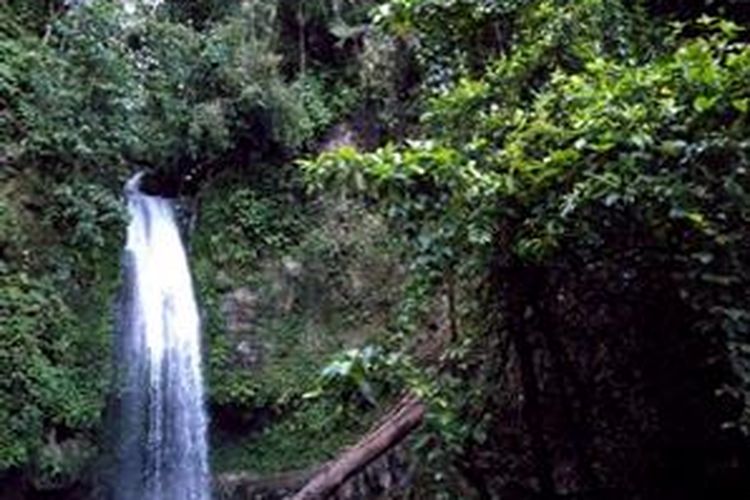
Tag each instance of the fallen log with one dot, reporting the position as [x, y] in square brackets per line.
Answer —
[390, 431]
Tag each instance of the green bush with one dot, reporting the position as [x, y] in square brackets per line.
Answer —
[364, 374]
[563, 144]
[43, 381]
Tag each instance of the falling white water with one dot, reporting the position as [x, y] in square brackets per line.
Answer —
[161, 450]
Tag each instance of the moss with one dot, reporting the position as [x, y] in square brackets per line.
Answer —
[247, 229]
[293, 354]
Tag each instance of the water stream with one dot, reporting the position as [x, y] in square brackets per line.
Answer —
[160, 435]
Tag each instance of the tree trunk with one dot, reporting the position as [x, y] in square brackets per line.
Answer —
[389, 432]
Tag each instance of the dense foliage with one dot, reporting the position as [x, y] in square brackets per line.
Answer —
[302, 282]
[91, 92]
[570, 149]
[515, 197]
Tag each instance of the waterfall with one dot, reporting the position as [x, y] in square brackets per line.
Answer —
[159, 419]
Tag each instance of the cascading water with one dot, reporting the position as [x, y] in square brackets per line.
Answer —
[159, 419]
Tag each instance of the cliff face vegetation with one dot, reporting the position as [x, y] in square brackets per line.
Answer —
[586, 179]
[531, 215]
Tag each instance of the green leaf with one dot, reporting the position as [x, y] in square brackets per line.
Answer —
[704, 103]
[741, 105]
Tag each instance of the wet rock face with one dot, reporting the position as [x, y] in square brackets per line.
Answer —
[240, 310]
[243, 307]
[287, 284]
